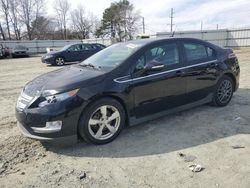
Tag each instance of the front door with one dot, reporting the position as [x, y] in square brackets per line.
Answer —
[156, 91]
[87, 51]
[73, 53]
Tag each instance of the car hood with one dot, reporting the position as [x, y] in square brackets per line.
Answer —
[65, 79]
[53, 52]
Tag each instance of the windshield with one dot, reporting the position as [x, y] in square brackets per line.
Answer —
[112, 56]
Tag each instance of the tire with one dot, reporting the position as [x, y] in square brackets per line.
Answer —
[59, 61]
[94, 126]
[223, 92]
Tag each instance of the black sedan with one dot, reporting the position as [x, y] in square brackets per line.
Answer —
[126, 84]
[72, 53]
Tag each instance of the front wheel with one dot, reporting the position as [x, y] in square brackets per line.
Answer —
[224, 91]
[102, 122]
[59, 61]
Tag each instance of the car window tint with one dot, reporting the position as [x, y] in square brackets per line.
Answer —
[211, 53]
[166, 54]
[98, 46]
[76, 47]
[195, 51]
[87, 47]
[140, 63]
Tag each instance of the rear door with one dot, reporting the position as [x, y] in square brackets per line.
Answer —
[87, 51]
[160, 90]
[201, 70]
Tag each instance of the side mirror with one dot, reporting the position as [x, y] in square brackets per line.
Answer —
[154, 66]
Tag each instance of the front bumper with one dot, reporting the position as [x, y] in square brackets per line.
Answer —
[31, 120]
[20, 54]
[66, 139]
[49, 60]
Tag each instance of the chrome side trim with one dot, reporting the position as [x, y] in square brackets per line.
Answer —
[156, 74]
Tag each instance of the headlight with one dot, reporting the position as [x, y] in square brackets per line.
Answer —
[57, 97]
[48, 56]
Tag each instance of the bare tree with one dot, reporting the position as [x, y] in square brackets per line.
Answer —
[2, 32]
[30, 10]
[5, 10]
[62, 8]
[83, 23]
[14, 6]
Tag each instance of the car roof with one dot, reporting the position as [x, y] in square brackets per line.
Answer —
[83, 43]
[144, 42]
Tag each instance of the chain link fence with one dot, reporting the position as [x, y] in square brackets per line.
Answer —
[231, 38]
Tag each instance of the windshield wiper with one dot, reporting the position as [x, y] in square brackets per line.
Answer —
[91, 65]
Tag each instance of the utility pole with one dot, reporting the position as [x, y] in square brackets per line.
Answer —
[171, 17]
[201, 25]
[143, 25]
[217, 26]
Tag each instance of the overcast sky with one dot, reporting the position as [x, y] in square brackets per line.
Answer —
[188, 14]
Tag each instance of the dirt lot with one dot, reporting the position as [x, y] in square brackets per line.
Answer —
[142, 156]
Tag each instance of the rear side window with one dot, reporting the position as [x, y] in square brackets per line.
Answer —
[196, 53]
[99, 46]
[87, 47]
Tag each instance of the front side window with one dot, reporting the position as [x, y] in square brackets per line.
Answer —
[165, 54]
[75, 48]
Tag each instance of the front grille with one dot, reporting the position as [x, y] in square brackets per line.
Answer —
[23, 101]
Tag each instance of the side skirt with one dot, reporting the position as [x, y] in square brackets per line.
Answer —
[134, 121]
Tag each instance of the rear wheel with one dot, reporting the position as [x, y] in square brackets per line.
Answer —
[59, 61]
[102, 122]
[224, 91]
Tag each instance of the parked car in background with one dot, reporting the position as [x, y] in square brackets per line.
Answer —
[72, 53]
[1, 53]
[20, 51]
[6, 51]
[126, 84]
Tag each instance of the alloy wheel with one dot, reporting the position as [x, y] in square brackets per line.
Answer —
[104, 122]
[225, 91]
[59, 61]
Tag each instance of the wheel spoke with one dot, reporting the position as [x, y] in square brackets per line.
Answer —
[104, 122]
[104, 111]
[224, 91]
[94, 121]
[113, 116]
[111, 128]
[99, 132]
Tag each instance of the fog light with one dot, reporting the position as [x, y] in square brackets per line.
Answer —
[51, 126]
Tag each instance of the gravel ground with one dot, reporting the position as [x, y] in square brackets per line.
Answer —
[153, 154]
